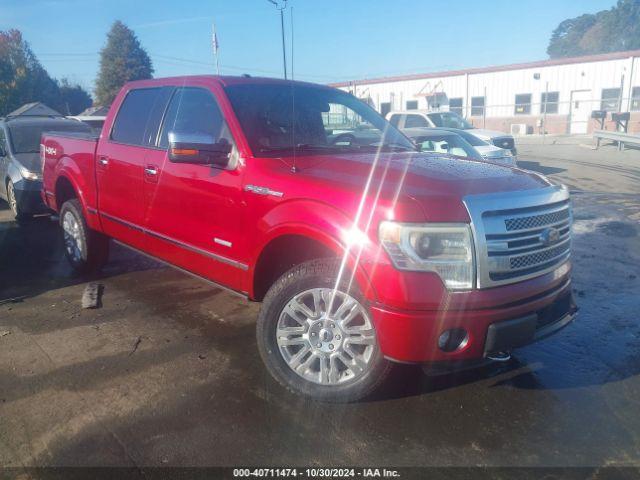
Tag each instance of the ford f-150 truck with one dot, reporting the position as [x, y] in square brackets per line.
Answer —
[363, 254]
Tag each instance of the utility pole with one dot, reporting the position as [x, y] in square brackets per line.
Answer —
[214, 44]
[281, 5]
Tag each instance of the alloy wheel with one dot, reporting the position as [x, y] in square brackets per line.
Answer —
[73, 240]
[326, 336]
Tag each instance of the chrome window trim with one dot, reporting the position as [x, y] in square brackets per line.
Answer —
[478, 205]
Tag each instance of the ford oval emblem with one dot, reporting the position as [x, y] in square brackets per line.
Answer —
[549, 236]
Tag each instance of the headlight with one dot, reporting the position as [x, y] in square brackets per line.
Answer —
[446, 249]
[28, 174]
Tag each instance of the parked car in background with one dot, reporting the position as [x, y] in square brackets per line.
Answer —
[423, 119]
[489, 152]
[362, 254]
[20, 164]
[441, 141]
[94, 121]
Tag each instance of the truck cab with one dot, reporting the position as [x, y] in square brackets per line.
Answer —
[363, 251]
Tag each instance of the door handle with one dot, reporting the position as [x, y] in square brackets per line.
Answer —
[104, 161]
[151, 170]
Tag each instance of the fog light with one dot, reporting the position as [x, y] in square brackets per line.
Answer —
[452, 340]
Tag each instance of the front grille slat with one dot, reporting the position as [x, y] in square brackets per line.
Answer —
[525, 223]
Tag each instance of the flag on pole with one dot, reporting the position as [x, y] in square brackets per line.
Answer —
[214, 39]
[214, 44]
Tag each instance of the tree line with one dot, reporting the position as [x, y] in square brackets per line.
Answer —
[613, 30]
[23, 79]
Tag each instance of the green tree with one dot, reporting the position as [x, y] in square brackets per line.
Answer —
[121, 60]
[611, 30]
[74, 98]
[22, 78]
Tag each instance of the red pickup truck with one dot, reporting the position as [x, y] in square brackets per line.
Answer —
[363, 251]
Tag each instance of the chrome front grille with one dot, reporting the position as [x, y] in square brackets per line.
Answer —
[520, 235]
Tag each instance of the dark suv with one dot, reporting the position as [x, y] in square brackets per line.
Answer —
[20, 168]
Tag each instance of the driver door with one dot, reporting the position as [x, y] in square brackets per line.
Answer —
[193, 215]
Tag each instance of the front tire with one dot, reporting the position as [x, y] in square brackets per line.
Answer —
[14, 204]
[86, 250]
[318, 340]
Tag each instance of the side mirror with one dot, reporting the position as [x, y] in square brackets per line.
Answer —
[199, 149]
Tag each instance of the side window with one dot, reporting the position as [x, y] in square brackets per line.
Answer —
[139, 116]
[413, 121]
[193, 110]
[3, 144]
[395, 120]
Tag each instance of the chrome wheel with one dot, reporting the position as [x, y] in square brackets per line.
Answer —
[73, 239]
[11, 198]
[326, 336]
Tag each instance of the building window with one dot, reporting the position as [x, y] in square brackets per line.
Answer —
[455, 105]
[385, 107]
[477, 106]
[635, 99]
[551, 102]
[523, 104]
[610, 98]
[412, 104]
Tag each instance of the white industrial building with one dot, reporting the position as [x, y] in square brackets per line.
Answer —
[511, 98]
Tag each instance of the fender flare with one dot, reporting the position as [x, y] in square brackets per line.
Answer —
[316, 221]
[68, 169]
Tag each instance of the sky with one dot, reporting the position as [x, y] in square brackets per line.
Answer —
[334, 40]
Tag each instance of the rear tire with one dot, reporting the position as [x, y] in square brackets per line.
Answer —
[86, 250]
[317, 347]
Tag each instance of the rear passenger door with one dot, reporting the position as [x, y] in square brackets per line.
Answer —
[120, 160]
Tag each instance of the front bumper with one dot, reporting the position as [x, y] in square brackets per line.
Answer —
[28, 196]
[412, 337]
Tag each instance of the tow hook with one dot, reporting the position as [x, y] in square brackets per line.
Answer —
[500, 356]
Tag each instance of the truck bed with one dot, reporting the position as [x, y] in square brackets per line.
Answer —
[71, 155]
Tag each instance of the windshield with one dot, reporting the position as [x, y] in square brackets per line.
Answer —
[449, 120]
[448, 144]
[277, 117]
[26, 138]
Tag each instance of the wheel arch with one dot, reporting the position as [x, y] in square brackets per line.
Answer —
[292, 244]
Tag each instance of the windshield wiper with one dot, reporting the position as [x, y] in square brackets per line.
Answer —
[399, 146]
[304, 147]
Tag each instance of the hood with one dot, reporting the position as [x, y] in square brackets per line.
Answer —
[437, 183]
[492, 151]
[487, 134]
[30, 161]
